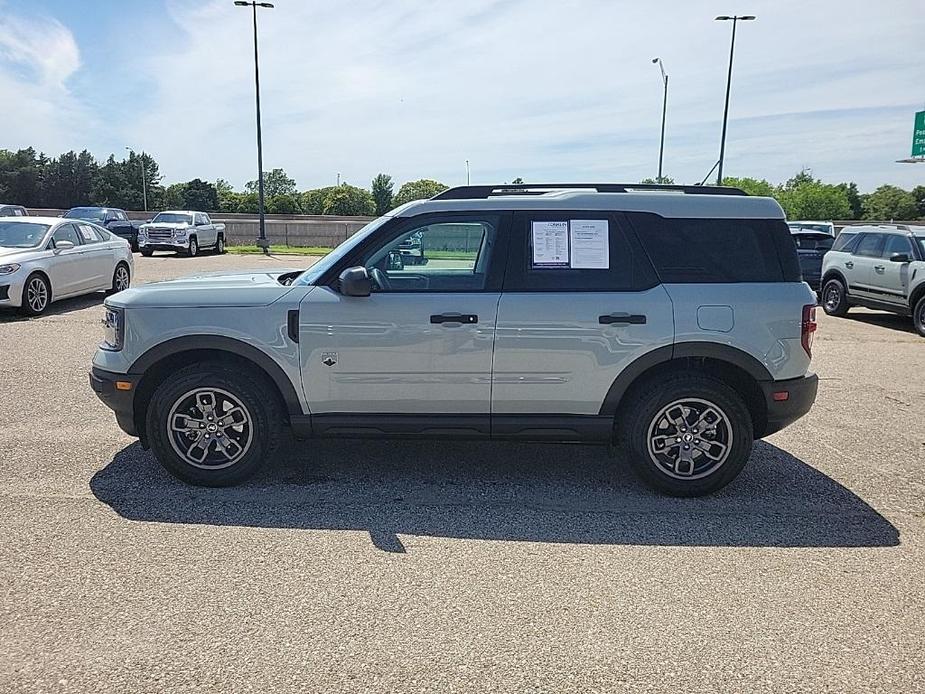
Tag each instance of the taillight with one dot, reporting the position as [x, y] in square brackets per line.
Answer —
[808, 328]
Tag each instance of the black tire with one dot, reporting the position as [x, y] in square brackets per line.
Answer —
[252, 393]
[193, 249]
[650, 406]
[918, 316]
[835, 298]
[120, 281]
[146, 253]
[220, 246]
[33, 291]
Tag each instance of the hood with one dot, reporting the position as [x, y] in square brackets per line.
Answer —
[244, 288]
[19, 255]
[165, 225]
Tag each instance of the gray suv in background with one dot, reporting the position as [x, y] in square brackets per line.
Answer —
[671, 321]
[879, 267]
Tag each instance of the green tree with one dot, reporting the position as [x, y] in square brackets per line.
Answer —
[349, 200]
[287, 203]
[890, 202]
[382, 189]
[200, 195]
[313, 200]
[68, 180]
[421, 189]
[664, 180]
[228, 199]
[111, 187]
[804, 197]
[752, 186]
[854, 199]
[919, 194]
[247, 203]
[175, 196]
[275, 182]
[21, 177]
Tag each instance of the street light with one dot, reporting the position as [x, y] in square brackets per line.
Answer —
[467, 172]
[144, 186]
[262, 238]
[722, 144]
[661, 148]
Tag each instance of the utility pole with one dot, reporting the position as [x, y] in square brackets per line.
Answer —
[661, 147]
[732, 46]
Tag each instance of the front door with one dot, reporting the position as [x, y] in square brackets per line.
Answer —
[415, 356]
[891, 279]
[859, 268]
[66, 270]
[580, 302]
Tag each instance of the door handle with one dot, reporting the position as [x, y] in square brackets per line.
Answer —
[622, 319]
[439, 318]
[849, 264]
[879, 268]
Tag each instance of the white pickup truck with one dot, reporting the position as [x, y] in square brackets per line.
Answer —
[181, 231]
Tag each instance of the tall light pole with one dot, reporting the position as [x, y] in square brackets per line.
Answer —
[732, 46]
[144, 185]
[262, 241]
[661, 147]
[467, 172]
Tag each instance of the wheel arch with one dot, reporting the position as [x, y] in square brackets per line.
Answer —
[834, 275]
[916, 294]
[730, 365]
[51, 285]
[162, 360]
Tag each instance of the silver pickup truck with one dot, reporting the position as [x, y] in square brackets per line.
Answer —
[182, 231]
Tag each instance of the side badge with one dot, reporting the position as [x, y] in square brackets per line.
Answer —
[329, 358]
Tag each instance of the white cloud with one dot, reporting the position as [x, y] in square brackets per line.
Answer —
[559, 90]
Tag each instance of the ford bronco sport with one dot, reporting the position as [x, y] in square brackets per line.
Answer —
[668, 320]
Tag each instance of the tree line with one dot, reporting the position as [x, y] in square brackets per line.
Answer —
[74, 179]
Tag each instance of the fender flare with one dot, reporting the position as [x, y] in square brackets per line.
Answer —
[189, 343]
[680, 350]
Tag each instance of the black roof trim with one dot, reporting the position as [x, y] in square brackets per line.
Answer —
[481, 192]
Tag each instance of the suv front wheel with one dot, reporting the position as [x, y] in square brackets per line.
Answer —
[689, 435]
[212, 425]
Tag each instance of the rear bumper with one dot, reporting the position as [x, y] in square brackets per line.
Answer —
[801, 394]
[122, 402]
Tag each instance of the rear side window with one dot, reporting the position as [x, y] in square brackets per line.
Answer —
[845, 241]
[870, 245]
[718, 250]
[897, 244]
[575, 251]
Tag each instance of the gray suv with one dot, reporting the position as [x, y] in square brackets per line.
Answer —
[669, 321]
[879, 267]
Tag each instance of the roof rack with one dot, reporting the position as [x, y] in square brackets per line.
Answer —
[476, 192]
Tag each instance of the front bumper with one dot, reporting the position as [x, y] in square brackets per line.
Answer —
[119, 400]
[11, 287]
[163, 245]
[801, 394]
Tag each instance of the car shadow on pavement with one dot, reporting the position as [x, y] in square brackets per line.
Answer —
[65, 306]
[489, 491]
[884, 320]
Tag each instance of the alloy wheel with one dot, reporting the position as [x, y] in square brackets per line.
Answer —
[122, 279]
[690, 439]
[210, 428]
[832, 296]
[37, 294]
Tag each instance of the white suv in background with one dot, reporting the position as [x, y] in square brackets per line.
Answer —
[879, 267]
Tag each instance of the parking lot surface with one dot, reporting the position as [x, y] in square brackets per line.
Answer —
[436, 566]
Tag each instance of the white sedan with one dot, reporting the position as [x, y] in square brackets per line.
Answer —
[43, 259]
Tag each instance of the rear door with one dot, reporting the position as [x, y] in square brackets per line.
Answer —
[97, 259]
[859, 267]
[580, 303]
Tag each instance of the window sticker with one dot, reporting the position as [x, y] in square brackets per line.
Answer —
[550, 245]
[87, 233]
[589, 244]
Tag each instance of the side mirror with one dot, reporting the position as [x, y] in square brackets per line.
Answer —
[900, 258]
[64, 245]
[355, 281]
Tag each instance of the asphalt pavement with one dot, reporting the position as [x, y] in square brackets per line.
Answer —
[458, 566]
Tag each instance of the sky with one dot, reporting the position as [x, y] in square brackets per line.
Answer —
[547, 91]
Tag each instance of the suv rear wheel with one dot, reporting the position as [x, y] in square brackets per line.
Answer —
[834, 298]
[688, 435]
[212, 425]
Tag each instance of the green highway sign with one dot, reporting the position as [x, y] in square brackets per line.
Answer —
[918, 135]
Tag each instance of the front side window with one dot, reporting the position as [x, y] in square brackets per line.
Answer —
[66, 232]
[870, 245]
[442, 256]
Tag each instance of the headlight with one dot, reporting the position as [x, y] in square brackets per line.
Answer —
[179, 233]
[113, 329]
[9, 268]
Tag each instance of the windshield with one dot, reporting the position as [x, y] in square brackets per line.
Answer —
[91, 214]
[21, 234]
[314, 273]
[172, 218]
